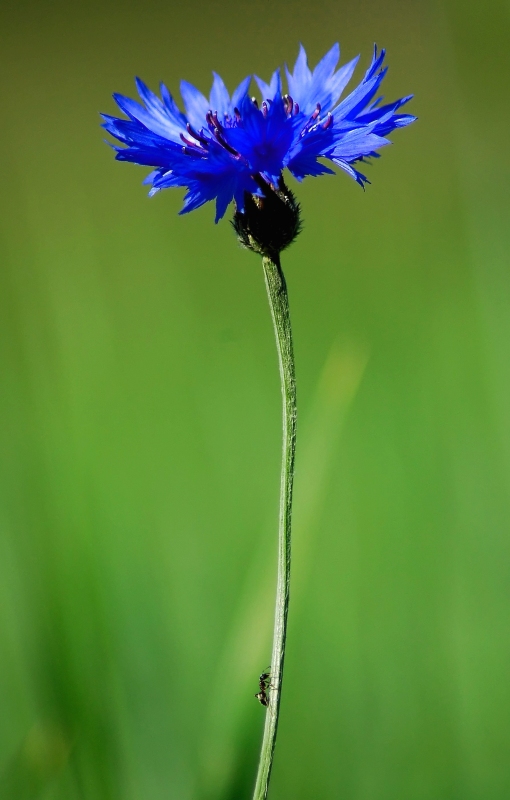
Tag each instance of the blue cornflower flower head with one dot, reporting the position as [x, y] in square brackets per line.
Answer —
[230, 148]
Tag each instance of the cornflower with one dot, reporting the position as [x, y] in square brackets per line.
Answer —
[226, 147]
[235, 148]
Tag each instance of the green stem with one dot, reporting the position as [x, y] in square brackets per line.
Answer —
[279, 304]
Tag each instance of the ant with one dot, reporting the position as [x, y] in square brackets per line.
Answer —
[264, 684]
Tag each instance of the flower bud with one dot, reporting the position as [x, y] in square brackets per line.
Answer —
[270, 223]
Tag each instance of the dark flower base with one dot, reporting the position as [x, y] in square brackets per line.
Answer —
[268, 224]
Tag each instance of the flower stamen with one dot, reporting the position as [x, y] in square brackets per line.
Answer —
[189, 143]
[194, 151]
[196, 135]
[219, 138]
[311, 122]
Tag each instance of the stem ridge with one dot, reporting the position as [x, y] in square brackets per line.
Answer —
[279, 304]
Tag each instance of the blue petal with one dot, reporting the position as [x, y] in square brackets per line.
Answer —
[324, 86]
[306, 164]
[326, 66]
[193, 199]
[360, 97]
[195, 103]
[268, 90]
[223, 199]
[239, 197]
[150, 177]
[356, 144]
[171, 105]
[240, 92]
[219, 98]
[405, 119]
[337, 84]
[162, 120]
[377, 60]
[300, 79]
[358, 176]
[379, 112]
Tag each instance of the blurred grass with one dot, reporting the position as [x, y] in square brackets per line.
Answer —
[137, 514]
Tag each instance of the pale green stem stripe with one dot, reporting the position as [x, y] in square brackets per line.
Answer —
[279, 304]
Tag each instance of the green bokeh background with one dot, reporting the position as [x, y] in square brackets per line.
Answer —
[140, 425]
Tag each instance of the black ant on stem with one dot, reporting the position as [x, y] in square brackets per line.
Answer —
[264, 684]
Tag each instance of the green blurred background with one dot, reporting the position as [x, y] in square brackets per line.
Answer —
[140, 425]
